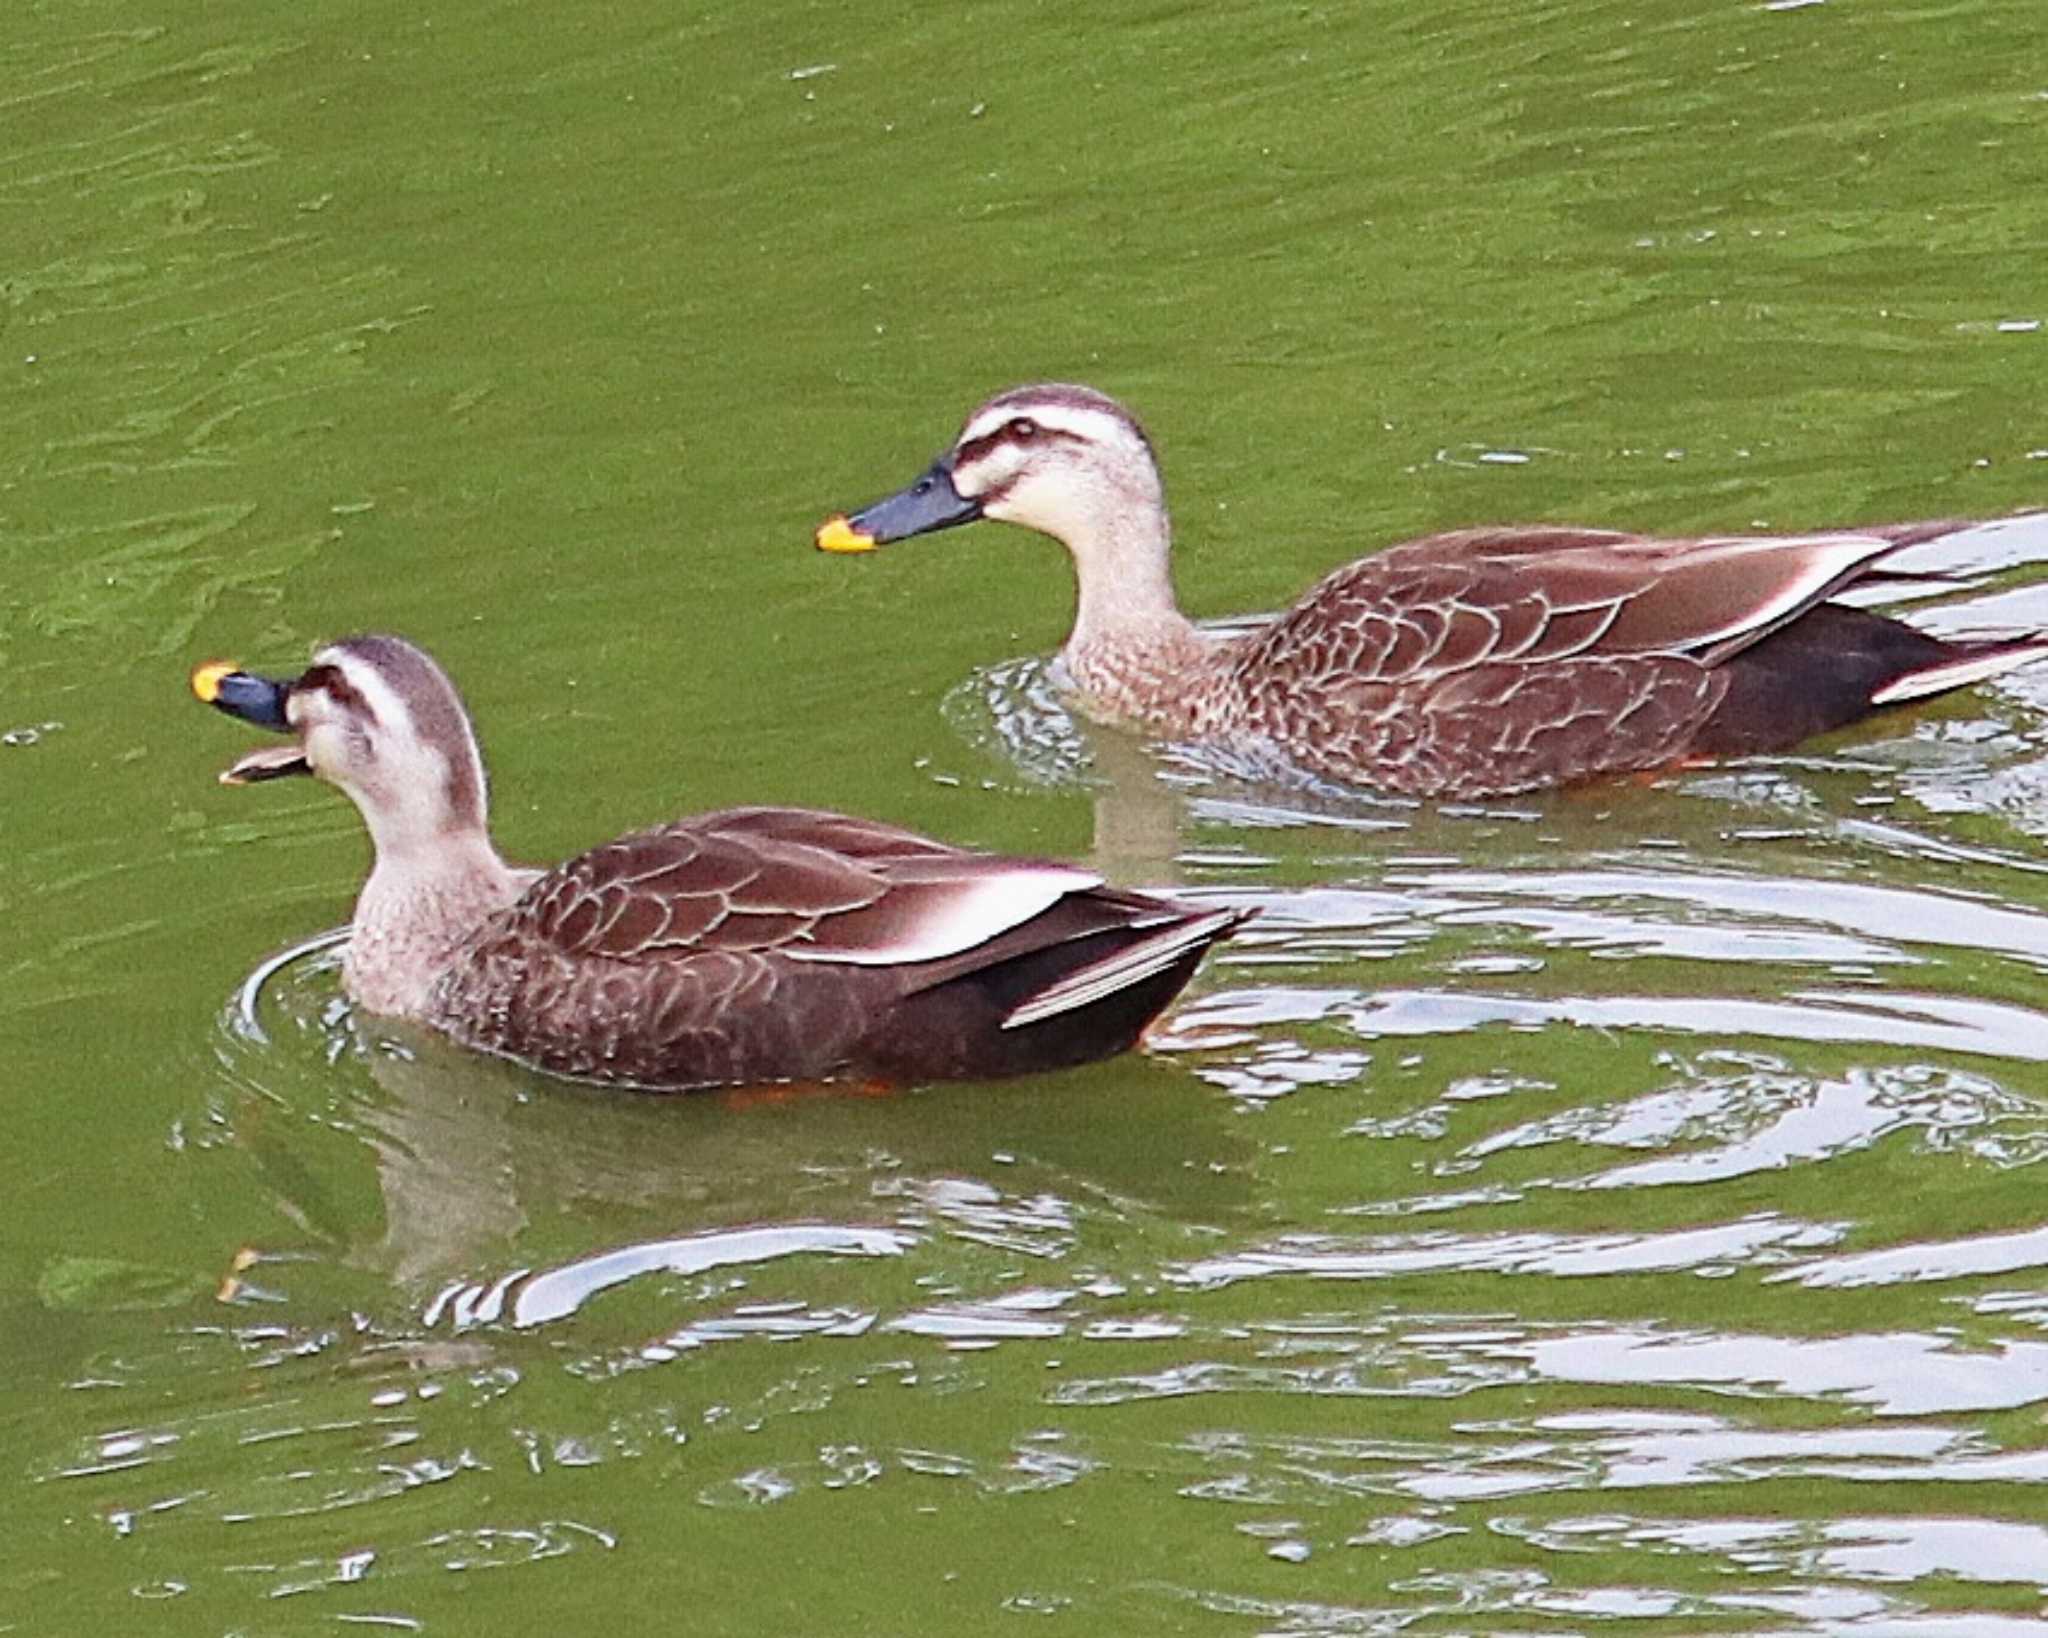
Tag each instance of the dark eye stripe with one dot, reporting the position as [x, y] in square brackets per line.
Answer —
[427, 705]
[330, 680]
[973, 449]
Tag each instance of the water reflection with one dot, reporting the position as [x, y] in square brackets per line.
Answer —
[1555, 1140]
[1893, 1373]
[525, 1297]
[1475, 1261]
[475, 1161]
[1592, 934]
[1941, 1259]
[1926, 1022]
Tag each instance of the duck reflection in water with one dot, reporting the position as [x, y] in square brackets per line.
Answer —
[484, 1192]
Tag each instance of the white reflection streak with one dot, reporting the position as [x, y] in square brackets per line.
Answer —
[1872, 1549]
[1674, 1451]
[1561, 1254]
[1993, 1550]
[1897, 1373]
[1762, 1120]
[1989, 547]
[1882, 1017]
[559, 1292]
[1920, 1624]
[1916, 1264]
[1015, 1316]
[1879, 913]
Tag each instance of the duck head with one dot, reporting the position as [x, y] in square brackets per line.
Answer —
[373, 716]
[1064, 460]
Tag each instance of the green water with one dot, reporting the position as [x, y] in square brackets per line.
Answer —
[1611, 1212]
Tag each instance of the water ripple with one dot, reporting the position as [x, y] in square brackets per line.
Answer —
[525, 1298]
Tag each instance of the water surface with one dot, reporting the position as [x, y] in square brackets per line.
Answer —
[1611, 1211]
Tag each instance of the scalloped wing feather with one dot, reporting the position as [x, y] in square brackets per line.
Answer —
[773, 881]
[1504, 727]
[844, 834]
[1715, 597]
[686, 888]
[718, 1018]
[1432, 607]
[1357, 675]
[950, 971]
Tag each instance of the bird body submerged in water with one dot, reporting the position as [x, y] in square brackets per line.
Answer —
[1472, 663]
[742, 947]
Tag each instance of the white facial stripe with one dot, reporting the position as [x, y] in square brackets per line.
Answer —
[1092, 425]
[1088, 476]
[393, 714]
[410, 758]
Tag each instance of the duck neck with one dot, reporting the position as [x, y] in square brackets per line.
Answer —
[1131, 653]
[423, 900]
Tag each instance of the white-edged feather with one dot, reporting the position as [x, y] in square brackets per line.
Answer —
[1828, 559]
[972, 911]
[1972, 668]
[1130, 965]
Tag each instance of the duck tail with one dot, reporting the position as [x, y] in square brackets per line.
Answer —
[1964, 664]
[1171, 944]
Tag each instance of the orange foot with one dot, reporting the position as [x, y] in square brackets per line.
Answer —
[751, 1097]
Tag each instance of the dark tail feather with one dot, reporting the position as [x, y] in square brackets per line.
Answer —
[1086, 994]
[1880, 581]
[1127, 966]
[1836, 665]
[1965, 663]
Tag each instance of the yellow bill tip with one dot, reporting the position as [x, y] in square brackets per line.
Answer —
[206, 679]
[835, 534]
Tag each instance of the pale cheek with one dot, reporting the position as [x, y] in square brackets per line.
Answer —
[1051, 508]
[329, 753]
[1028, 500]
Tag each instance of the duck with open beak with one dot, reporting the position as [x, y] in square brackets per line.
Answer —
[264, 701]
[740, 947]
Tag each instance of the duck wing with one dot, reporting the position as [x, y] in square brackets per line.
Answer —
[779, 944]
[803, 885]
[1493, 660]
[1449, 602]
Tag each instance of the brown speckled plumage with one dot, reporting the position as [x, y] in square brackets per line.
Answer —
[749, 946]
[753, 944]
[1464, 664]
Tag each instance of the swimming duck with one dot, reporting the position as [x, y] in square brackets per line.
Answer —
[1473, 663]
[736, 948]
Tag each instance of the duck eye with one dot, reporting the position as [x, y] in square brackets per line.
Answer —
[340, 692]
[1023, 429]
